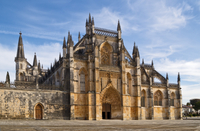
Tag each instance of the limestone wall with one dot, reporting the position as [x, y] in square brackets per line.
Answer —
[21, 103]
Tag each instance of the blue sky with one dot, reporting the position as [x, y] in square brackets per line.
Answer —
[166, 32]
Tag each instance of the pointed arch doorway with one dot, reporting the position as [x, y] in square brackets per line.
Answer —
[106, 111]
[111, 103]
[38, 112]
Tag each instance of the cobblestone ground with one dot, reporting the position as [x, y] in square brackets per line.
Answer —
[109, 125]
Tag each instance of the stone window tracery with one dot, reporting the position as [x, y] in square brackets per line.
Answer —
[106, 54]
[82, 82]
[158, 99]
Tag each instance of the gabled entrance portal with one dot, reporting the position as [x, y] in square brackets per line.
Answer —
[106, 111]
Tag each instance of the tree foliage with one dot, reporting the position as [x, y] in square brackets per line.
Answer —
[197, 106]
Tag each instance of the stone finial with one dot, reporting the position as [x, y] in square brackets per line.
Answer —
[89, 18]
[167, 76]
[152, 63]
[179, 79]
[68, 38]
[137, 52]
[59, 56]
[7, 78]
[64, 43]
[79, 36]
[142, 62]
[35, 60]
[118, 26]
[92, 20]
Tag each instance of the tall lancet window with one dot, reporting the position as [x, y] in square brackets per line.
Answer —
[82, 81]
[172, 99]
[143, 98]
[158, 98]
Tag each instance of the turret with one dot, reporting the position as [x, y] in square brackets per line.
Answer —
[20, 60]
[64, 48]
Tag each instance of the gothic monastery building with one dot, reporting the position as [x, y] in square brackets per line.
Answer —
[94, 79]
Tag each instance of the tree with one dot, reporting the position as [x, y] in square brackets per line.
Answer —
[197, 106]
[188, 104]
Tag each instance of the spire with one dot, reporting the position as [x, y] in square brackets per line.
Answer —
[39, 65]
[20, 50]
[142, 62]
[64, 43]
[89, 18]
[35, 60]
[152, 63]
[118, 26]
[86, 23]
[8, 78]
[71, 42]
[137, 52]
[179, 79]
[79, 36]
[92, 20]
[68, 38]
[134, 49]
[167, 76]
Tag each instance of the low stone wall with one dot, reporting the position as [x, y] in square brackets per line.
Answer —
[20, 104]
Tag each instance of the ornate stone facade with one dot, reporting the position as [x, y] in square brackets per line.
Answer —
[94, 79]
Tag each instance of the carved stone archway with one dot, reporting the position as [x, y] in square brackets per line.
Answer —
[110, 96]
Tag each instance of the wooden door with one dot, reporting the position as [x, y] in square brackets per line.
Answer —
[106, 111]
[38, 111]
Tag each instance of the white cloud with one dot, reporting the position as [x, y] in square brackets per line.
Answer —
[158, 16]
[108, 19]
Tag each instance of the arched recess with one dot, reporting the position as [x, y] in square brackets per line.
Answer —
[106, 51]
[57, 78]
[38, 111]
[83, 80]
[53, 80]
[158, 96]
[110, 96]
[21, 76]
[172, 98]
[128, 82]
[143, 98]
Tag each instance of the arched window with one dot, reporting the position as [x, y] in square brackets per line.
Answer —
[82, 81]
[172, 99]
[106, 52]
[143, 95]
[21, 77]
[158, 98]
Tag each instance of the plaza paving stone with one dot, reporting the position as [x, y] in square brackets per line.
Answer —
[106, 125]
